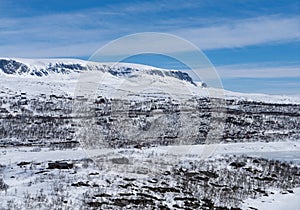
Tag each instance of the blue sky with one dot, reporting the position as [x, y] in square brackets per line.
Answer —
[254, 44]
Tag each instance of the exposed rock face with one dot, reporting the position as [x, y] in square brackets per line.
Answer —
[13, 67]
[10, 66]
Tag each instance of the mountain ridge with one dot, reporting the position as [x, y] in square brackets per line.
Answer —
[16, 72]
[45, 67]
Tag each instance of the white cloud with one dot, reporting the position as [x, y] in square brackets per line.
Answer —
[243, 33]
[41, 50]
[258, 70]
[81, 33]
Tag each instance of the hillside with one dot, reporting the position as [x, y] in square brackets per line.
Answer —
[145, 138]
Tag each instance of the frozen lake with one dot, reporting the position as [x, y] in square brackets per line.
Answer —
[288, 156]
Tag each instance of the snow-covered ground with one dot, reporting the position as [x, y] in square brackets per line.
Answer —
[285, 151]
[140, 82]
[278, 201]
[111, 85]
[35, 180]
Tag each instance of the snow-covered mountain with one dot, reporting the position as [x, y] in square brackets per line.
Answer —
[147, 150]
[144, 95]
[60, 76]
[45, 67]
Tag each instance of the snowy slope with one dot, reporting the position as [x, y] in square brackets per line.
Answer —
[45, 67]
[28, 177]
[60, 76]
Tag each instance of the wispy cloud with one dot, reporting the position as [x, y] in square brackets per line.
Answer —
[78, 33]
[246, 32]
[42, 50]
[258, 70]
